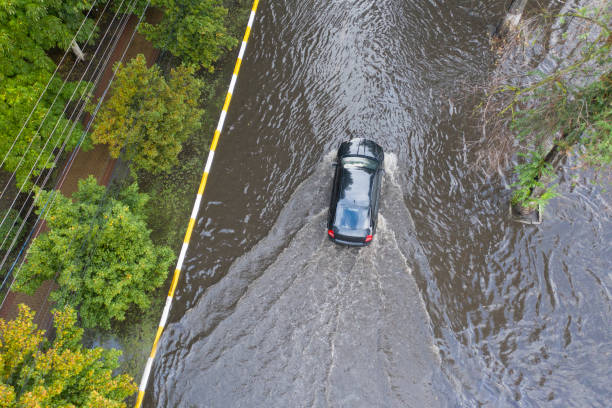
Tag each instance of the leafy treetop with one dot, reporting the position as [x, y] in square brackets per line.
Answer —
[148, 117]
[29, 29]
[191, 30]
[37, 373]
[99, 251]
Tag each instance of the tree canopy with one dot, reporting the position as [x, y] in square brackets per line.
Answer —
[28, 30]
[193, 31]
[99, 251]
[148, 117]
[37, 373]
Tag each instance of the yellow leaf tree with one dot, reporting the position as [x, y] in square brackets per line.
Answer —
[147, 117]
[35, 372]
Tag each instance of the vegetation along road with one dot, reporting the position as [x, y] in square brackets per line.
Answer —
[487, 284]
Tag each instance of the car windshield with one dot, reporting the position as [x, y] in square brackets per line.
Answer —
[361, 162]
[355, 186]
[352, 217]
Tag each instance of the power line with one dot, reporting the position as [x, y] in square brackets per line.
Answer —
[122, 24]
[47, 113]
[70, 163]
[85, 132]
[73, 155]
[91, 235]
[49, 82]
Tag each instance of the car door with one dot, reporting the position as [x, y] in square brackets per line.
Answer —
[333, 202]
[376, 197]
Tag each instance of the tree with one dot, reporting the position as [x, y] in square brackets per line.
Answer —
[98, 250]
[191, 30]
[147, 117]
[28, 30]
[37, 373]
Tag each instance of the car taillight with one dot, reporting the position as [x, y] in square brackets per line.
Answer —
[368, 238]
[330, 233]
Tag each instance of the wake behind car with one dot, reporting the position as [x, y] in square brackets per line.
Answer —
[353, 209]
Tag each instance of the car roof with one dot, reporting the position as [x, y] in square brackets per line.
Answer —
[356, 185]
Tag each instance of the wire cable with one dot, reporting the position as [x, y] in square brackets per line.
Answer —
[125, 18]
[46, 115]
[68, 167]
[71, 116]
[73, 155]
[49, 82]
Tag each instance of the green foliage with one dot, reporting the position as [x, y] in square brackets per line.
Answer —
[28, 30]
[592, 127]
[136, 7]
[37, 373]
[148, 117]
[8, 231]
[167, 211]
[99, 252]
[530, 173]
[191, 30]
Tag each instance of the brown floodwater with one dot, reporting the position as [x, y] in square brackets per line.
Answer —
[453, 304]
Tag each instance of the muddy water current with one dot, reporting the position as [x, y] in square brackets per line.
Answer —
[453, 304]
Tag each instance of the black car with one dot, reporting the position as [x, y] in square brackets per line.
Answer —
[353, 209]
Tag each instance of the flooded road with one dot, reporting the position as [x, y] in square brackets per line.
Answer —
[453, 304]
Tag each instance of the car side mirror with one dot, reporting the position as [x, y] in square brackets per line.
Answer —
[334, 164]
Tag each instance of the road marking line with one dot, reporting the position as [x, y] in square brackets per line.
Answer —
[221, 121]
[160, 329]
[209, 161]
[196, 208]
[147, 371]
[189, 231]
[213, 145]
[242, 48]
[179, 263]
[194, 212]
[175, 278]
[233, 83]
[237, 68]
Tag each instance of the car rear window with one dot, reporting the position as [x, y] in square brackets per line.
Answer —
[352, 217]
[361, 162]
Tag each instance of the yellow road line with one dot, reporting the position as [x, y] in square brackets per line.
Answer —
[196, 209]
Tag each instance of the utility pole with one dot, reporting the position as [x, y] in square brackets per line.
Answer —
[80, 55]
